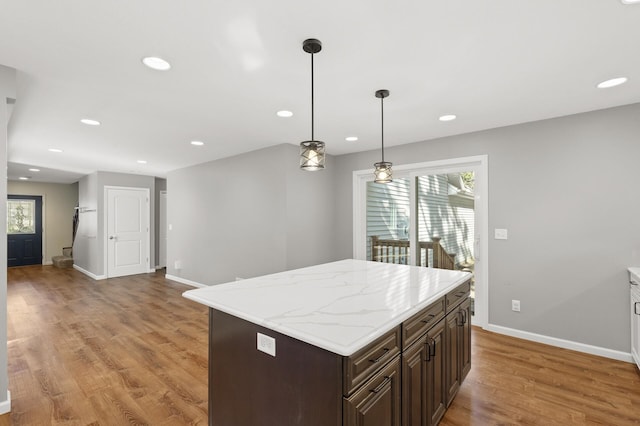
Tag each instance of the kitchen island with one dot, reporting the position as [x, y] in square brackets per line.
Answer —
[344, 343]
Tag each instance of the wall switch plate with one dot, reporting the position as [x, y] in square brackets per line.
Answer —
[500, 234]
[515, 305]
[266, 344]
[177, 264]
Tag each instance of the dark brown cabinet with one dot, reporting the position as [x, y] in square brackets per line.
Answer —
[377, 402]
[458, 345]
[436, 357]
[407, 376]
[424, 364]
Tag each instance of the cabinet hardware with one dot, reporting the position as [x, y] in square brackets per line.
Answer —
[461, 293]
[381, 385]
[384, 352]
[431, 316]
[432, 347]
[635, 308]
[427, 358]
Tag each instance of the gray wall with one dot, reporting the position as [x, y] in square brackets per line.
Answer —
[566, 190]
[7, 90]
[58, 203]
[248, 215]
[89, 246]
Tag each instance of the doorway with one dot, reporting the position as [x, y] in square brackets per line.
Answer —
[441, 202]
[24, 230]
[127, 231]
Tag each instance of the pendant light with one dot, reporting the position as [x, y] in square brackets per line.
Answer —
[382, 172]
[312, 152]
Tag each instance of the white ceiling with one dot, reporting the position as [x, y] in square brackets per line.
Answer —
[235, 63]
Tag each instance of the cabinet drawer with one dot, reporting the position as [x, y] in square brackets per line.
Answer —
[418, 324]
[364, 363]
[457, 295]
[378, 401]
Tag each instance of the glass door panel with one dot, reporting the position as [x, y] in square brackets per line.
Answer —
[446, 220]
[388, 219]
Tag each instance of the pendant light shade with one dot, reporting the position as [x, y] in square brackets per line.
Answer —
[312, 152]
[382, 173]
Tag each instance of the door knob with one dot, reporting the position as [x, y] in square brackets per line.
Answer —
[112, 237]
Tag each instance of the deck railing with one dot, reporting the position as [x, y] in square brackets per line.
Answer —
[398, 251]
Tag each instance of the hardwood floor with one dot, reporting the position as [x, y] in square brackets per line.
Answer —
[119, 351]
[518, 382]
[132, 351]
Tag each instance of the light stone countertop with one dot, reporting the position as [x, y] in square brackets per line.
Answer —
[340, 306]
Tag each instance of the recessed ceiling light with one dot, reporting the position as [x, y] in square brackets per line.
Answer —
[90, 122]
[612, 82]
[156, 63]
[34, 170]
[24, 178]
[55, 150]
[351, 138]
[197, 143]
[284, 113]
[142, 161]
[447, 117]
[631, 1]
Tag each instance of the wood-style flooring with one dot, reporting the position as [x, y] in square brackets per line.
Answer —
[133, 351]
[122, 351]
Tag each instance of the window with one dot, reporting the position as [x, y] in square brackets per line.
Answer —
[21, 216]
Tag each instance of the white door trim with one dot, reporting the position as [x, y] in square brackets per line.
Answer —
[105, 236]
[162, 230]
[478, 164]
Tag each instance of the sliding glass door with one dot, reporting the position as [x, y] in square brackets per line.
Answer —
[432, 214]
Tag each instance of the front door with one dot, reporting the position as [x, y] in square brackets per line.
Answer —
[24, 230]
[127, 231]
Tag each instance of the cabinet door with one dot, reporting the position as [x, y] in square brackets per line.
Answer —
[414, 383]
[635, 324]
[435, 374]
[465, 340]
[377, 402]
[453, 322]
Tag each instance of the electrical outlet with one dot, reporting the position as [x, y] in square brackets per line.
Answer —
[266, 344]
[515, 305]
[177, 264]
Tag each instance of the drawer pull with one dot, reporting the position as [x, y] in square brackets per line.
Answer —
[635, 308]
[431, 349]
[461, 293]
[431, 316]
[462, 316]
[384, 352]
[381, 385]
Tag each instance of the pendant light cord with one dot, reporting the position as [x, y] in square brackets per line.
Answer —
[382, 119]
[312, 138]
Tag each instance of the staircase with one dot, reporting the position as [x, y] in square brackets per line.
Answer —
[64, 261]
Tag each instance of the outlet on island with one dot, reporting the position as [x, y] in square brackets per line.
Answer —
[266, 344]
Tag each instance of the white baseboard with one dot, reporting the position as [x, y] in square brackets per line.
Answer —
[561, 343]
[5, 406]
[47, 262]
[90, 274]
[184, 281]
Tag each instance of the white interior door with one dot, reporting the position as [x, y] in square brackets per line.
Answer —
[162, 262]
[127, 231]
